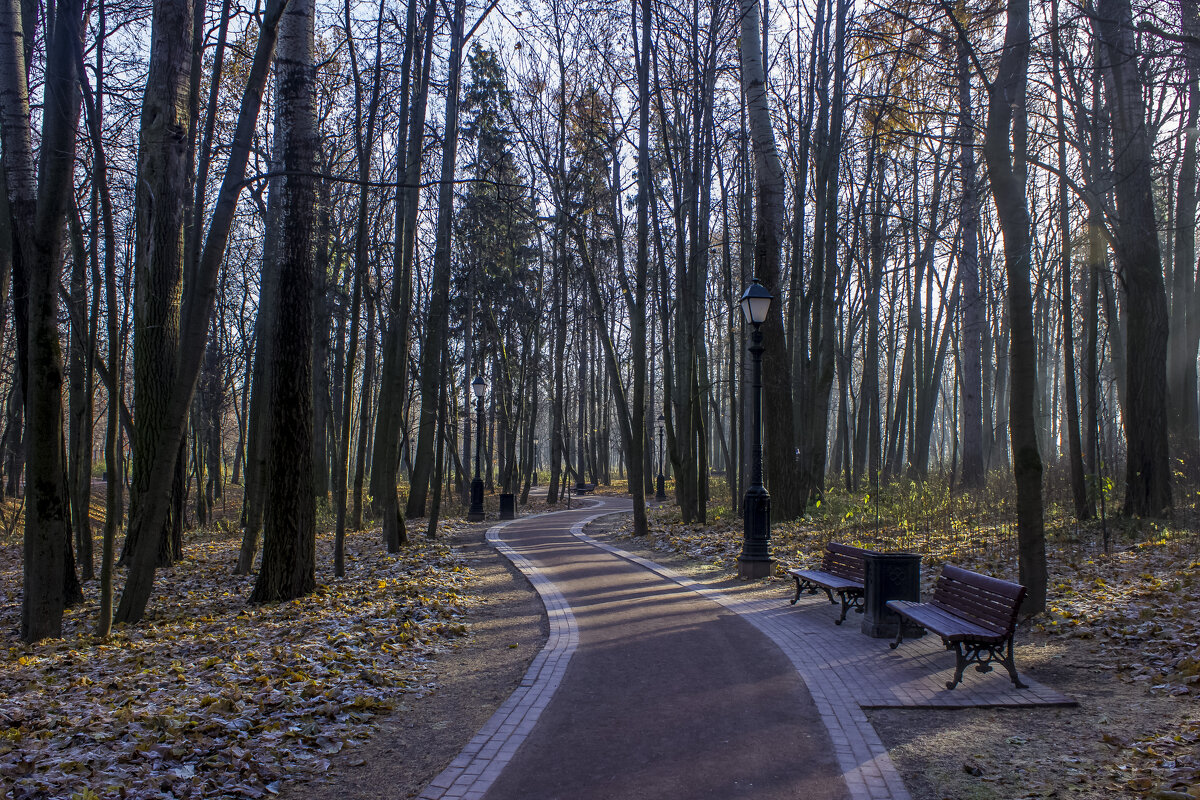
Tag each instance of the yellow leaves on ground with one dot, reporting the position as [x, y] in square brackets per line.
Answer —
[214, 698]
[1161, 766]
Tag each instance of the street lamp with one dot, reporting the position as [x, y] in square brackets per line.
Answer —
[537, 458]
[475, 513]
[660, 492]
[755, 559]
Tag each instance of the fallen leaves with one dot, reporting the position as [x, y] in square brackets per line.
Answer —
[212, 697]
[1164, 765]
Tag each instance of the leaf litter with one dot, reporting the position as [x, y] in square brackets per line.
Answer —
[210, 696]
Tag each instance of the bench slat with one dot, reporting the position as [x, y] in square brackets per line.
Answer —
[828, 580]
[978, 610]
[946, 625]
[989, 602]
[844, 561]
[997, 586]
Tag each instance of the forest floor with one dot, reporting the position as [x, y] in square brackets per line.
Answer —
[381, 677]
[213, 697]
[1122, 637]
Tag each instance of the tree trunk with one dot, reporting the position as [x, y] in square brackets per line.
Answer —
[781, 467]
[433, 349]
[259, 438]
[1004, 149]
[974, 310]
[1135, 242]
[164, 156]
[289, 533]
[393, 380]
[197, 312]
[1074, 445]
[1184, 337]
[38, 210]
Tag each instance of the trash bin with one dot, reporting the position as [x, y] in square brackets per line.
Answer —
[889, 576]
[508, 506]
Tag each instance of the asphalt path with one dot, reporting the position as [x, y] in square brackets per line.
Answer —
[668, 695]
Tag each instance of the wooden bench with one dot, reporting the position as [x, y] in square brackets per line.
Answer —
[974, 614]
[841, 572]
[586, 488]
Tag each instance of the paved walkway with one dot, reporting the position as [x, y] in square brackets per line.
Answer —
[671, 694]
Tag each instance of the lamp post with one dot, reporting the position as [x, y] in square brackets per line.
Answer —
[580, 486]
[755, 558]
[537, 458]
[475, 513]
[660, 492]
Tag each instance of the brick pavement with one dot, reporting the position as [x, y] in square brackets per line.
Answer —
[479, 764]
[847, 672]
[844, 671]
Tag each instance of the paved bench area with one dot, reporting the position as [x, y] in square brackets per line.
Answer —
[874, 675]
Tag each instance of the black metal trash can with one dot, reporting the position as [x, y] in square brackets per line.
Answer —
[508, 506]
[889, 576]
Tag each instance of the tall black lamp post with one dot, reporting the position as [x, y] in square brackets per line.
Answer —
[755, 559]
[660, 492]
[537, 458]
[475, 513]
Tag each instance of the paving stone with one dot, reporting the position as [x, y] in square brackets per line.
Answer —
[481, 761]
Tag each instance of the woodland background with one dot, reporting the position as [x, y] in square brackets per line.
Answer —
[978, 222]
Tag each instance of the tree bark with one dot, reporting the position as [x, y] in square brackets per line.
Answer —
[38, 209]
[289, 520]
[1004, 149]
[1135, 243]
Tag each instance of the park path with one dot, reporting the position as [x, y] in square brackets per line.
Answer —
[645, 689]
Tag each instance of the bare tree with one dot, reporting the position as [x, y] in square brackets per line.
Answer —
[1004, 148]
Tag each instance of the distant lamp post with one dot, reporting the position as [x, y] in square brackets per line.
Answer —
[475, 513]
[755, 559]
[537, 458]
[580, 486]
[660, 492]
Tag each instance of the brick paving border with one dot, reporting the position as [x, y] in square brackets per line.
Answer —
[472, 772]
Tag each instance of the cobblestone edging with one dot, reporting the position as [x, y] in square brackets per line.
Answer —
[471, 774]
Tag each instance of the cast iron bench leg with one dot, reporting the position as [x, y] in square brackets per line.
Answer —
[1010, 665]
[797, 597]
[845, 608]
[961, 662]
[899, 634]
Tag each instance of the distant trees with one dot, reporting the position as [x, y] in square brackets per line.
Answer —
[574, 218]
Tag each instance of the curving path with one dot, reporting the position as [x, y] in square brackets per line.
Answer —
[645, 689]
